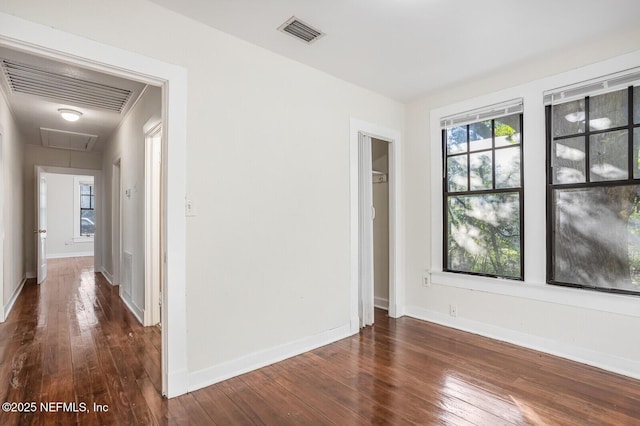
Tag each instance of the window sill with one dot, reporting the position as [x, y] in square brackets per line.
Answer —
[580, 298]
[82, 239]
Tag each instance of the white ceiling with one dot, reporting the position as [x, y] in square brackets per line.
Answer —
[408, 48]
[33, 112]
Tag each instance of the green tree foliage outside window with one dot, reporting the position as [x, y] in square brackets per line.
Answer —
[594, 192]
[483, 197]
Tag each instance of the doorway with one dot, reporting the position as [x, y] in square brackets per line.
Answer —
[67, 215]
[116, 222]
[57, 45]
[380, 199]
[153, 220]
[365, 139]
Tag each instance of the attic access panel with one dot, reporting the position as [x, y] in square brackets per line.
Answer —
[62, 139]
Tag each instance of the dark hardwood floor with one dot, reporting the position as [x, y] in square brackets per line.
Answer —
[72, 340]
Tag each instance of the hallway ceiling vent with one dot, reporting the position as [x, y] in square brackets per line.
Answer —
[300, 30]
[64, 88]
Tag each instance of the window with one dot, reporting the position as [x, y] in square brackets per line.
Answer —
[87, 203]
[483, 197]
[84, 209]
[593, 191]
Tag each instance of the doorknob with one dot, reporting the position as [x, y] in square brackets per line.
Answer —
[40, 231]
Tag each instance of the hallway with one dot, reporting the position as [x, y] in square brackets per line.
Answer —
[71, 339]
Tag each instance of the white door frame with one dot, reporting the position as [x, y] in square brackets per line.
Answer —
[116, 219]
[152, 218]
[40, 225]
[40, 40]
[396, 229]
[97, 184]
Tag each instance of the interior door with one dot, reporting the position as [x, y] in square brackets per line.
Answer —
[41, 231]
[366, 213]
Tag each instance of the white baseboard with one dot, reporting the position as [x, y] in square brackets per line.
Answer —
[355, 325]
[65, 255]
[178, 383]
[625, 366]
[12, 300]
[31, 275]
[381, 303]
[208, 376]
[139, 314]
[107, 276]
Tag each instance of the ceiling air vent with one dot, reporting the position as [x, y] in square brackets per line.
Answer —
[64, 88]
[300, 30]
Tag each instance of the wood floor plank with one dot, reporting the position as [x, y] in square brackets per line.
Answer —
[72, 340]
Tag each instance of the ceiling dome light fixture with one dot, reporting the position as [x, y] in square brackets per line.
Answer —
[70, 114]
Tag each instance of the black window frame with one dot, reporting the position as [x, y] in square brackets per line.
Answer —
[550, 186]
[446, 193]
[92, 199]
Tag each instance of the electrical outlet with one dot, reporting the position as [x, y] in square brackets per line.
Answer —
[453, 310]
[426, 278]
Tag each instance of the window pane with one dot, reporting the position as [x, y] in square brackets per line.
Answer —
[85, 202]
[457, 140]
[484, 234]
[480, 170]
[568, 118]
[508, 167]
[568, 160]
[636, 152]
[86, 189]
[636, 105]
[87, 222]
[480, 135]
[507, 130]
[457, 173]
[609, 110]
[597, 237]
[608, 155]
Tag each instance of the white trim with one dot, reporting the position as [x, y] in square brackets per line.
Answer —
[107, 276]
[396, 213]
[135, 310]
[381, 303]
[153, 268]
[12, 300]
[619, 365]
[208, 376]
[116, 213]
[30, 275]
[17, 33]
[576, 297]
[82, 239]
[65, 255]
[97, 186]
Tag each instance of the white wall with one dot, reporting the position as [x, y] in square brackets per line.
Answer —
[127, 144]
[13, 271]
[268, 149]
[61, 218]
[592, 327]
[35, 155]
